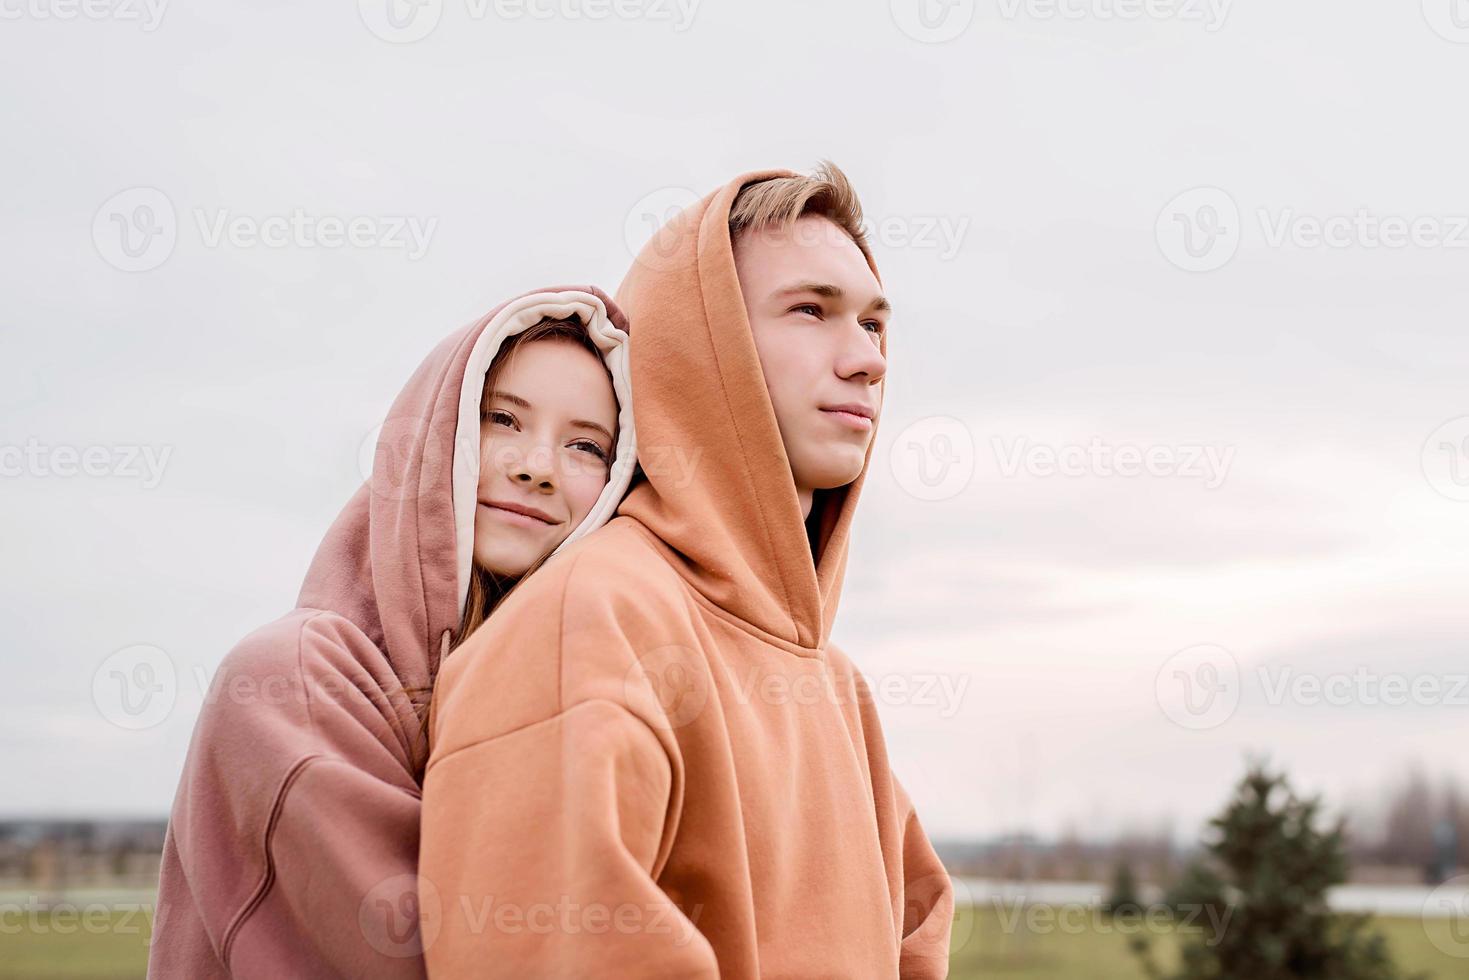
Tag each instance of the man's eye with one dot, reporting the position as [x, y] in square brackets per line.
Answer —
[875, 325]
[813, 308]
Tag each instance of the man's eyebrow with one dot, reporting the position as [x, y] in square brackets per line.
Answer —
[579, 423]
[831, 291]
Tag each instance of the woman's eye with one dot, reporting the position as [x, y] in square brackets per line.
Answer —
[500, 417]
[592, 448]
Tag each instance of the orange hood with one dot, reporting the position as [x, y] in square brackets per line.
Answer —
[718, 487]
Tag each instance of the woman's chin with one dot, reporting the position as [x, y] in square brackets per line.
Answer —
[507, 560]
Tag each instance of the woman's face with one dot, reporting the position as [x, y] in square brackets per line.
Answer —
[546, 444]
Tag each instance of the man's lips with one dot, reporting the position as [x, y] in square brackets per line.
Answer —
[853, 414]
[521, 514]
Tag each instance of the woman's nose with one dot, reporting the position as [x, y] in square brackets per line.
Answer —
[535, 467]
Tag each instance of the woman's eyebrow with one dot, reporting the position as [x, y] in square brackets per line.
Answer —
[579, 423]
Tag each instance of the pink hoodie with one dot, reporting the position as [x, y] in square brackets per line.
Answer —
[293, 842]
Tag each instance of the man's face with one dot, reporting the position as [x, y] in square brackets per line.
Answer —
[817, 312]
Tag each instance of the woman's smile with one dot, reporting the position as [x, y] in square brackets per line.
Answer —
[520, 515]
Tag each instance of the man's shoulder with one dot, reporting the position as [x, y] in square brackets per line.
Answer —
[618, 569]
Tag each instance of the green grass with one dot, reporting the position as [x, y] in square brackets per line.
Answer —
[987, 943]
[83, 944]
[1000, 943]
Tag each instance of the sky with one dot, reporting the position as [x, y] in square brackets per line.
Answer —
[1173, 466]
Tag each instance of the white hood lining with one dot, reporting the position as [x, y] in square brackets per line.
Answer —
[519, 315]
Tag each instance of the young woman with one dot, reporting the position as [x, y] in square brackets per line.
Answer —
[293, 841]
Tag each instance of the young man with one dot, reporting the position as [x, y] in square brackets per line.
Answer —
[651, 761]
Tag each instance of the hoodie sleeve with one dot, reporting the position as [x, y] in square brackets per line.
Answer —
[548, 808]
[292, 840]
[928, 900]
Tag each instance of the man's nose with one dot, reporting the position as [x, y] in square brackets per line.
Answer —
[861, 356]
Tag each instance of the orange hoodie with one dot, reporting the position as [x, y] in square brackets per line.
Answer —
[651, 762]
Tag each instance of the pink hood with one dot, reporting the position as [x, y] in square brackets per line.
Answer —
[293, 841]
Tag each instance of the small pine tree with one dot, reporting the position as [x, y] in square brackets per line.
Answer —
[1124, 898]
[1274, 867]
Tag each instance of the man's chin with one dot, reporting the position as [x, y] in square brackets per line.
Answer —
[837, 471]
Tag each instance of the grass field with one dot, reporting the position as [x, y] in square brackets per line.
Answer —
[991, 942]
[988, 942]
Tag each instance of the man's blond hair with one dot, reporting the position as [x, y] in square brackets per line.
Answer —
[778, 201]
